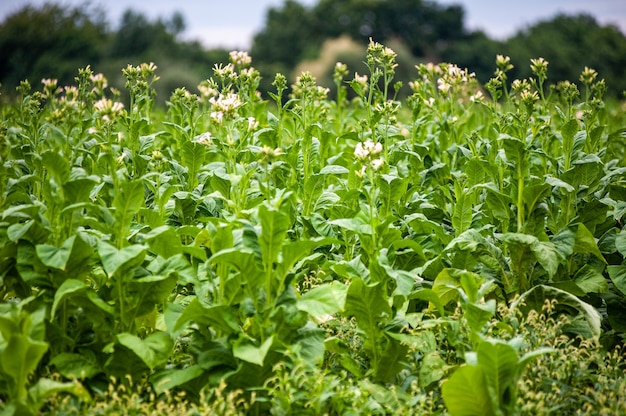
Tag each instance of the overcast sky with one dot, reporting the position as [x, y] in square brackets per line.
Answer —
[231, 23]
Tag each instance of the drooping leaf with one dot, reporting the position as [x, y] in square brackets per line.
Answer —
[246, 350]
[45, 388]
[585, 243]
[67, 289]
[154, 350]
[536, 297]
[168, 379]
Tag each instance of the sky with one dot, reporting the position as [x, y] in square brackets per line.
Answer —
[232, 23]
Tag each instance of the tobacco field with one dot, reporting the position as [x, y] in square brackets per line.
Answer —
[454, 250]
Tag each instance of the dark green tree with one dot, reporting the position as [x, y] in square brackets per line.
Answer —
[51, 41]
[569, 43]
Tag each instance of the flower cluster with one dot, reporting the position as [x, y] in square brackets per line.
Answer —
[224, 105]
[367, 153]
[240, 58]
[267, 155]
[306, 86]
[108, 109]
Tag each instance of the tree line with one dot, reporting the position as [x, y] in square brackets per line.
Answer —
[52, 41]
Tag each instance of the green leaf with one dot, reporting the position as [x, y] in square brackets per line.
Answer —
[369, 307]
[114, 259]
[153, 351]
[545, 252]
[591, 280]
[219, 317]
[326, 299]
[585, 243]
[21, 357]
[166, 380]
[127, 202]
[164, 241]
[356, 224]
[620, 243]
[55, 257]
[45, 388]
[536, 297]
[246, 350]
[432, 369]
[78, 366]
[465, 393]
[618, 277]
[498, 361]
[67, 289]
[57, 165]
[462, 214]
[430, 296]
[334, 170]
[569, 129]
[274, 227]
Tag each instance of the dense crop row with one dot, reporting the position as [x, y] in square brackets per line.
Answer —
[353, 255]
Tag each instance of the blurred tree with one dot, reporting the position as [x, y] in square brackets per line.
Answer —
[569, 43]
[294, 32]
[424, 26]
[476, 51]
[52, 41]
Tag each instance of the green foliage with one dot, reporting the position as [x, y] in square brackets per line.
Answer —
[371, 256]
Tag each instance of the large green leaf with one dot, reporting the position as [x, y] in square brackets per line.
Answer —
[536, 297]
[499, 363]
[462, 214]
[77, 366]
[127, 202]
[324, 300]
[591, 280]
[57, 165]
[164, 241]
[465, 393]
[55, 257]
[113, 259]
[585, 242]
[219, 317]
[67, 289]
[618, 277]
[20, 357]
[153, 351]
[248, 351]
[274, 226]
[167, 379]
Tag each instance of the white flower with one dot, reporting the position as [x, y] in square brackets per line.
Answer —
[252, 123]
[378, 163]
[240, 58]
[217, 116]
[204, 138]
[226, 103]
[360, 152]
